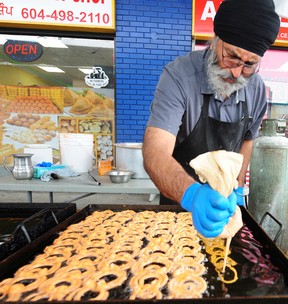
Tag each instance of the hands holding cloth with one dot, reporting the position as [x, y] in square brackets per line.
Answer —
[214, 204]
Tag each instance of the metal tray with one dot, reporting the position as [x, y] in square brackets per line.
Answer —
[21, 223]
[267, 260]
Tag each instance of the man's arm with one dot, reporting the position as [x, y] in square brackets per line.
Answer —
[246, 151]
[210, 210]
[167, 174]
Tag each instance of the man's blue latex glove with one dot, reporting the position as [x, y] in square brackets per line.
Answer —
[240, 196]
[210, 210]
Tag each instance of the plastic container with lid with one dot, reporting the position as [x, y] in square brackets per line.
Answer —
[41, 153]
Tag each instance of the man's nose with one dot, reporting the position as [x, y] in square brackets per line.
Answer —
[236, 72]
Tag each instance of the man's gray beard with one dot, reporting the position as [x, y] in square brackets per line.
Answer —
[216, 75]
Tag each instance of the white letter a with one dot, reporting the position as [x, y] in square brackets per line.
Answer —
[209, 11]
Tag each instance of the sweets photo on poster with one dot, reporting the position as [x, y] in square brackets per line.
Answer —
[88, 102]
[37, 115]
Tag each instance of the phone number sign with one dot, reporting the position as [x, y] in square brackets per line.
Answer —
[81, 15]
[203, 15]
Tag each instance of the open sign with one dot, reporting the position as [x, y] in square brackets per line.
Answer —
[23, 51]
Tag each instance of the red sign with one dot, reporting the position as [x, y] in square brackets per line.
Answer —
[82, 15]
[23, 51]
[203, 15]
[282, 38]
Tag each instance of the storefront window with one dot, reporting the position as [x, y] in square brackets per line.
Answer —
[274, 71]
[52, 85]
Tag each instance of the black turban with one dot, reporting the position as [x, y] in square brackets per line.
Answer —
[252, 25]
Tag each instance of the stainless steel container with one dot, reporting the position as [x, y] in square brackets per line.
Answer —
[120, 177]
[129, 157]
[268, 190]
[23, 168]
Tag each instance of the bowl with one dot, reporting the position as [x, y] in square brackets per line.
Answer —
[120, 176]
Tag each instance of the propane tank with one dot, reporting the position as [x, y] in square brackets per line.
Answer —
[268, 186]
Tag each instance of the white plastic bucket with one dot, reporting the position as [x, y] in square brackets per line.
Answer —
[41, 153]
[76, 151]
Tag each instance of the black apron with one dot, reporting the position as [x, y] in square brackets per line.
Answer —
[209, 134]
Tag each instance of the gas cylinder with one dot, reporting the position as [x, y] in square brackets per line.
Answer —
[268, 186]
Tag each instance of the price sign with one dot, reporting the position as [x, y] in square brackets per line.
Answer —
[80, 15]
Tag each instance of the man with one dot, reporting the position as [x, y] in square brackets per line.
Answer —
[210, 100]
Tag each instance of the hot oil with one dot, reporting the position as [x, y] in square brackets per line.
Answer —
[215, 288]
[257, 275]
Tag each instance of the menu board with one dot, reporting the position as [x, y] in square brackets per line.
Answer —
[81, 15]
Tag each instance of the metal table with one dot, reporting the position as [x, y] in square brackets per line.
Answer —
[79, 184]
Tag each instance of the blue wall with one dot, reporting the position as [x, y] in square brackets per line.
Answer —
[149, 34]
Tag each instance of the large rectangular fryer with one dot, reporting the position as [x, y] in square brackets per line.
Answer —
[245, 289]
[21, 223]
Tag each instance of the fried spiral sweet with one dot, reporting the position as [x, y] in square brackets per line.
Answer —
[58, 287]
[186, 285]
[144, 252]
[13, 288]
[147, 292]
[109, 277]
[155, 262]
[216, 248]
[122, 260]
[148, 277]
[85, 259]
[76, 270]
[94, 294]
[147, 285]
[196, 268]
[41, 265]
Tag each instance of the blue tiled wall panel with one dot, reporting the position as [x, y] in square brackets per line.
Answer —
[149, 34]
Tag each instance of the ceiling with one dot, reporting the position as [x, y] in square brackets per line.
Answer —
[75, 53]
